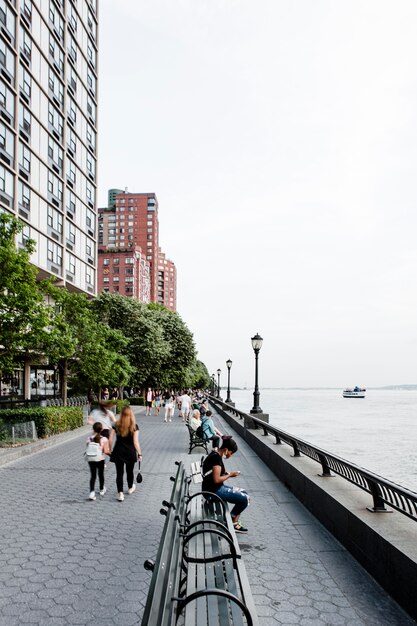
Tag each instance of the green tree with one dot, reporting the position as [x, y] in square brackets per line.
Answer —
[94, 353]
[24, 315]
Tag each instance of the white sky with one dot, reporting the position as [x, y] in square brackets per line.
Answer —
[281, 140]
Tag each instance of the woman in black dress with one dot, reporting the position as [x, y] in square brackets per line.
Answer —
[126, 450]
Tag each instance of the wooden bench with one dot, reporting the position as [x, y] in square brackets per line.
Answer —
[195, 440]
[209, 584]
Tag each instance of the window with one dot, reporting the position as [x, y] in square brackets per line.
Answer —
[55, 86]
[106, 262]
[72, 140]
[55, 152]
[54, 220]
[91, 108]
[91, 53]
[88, 275]
[70, 202]
[25, 118]
[25, 43]
[90, 192]
[24, 157]
[56, 53]
[91, 136]
[7, 58]
[89, 248]
[90, 220]
[72, 48]
[26, 7]
[72, 78]
[72, 16]
[54, 253]
[6, 99]
[116, 261]
[6, 181]
[71, 171]
[55, 187]
[92, 29]
[24, 195]
[91, 164]
[72, 110]
[6, 140]
[55, 119]
[7, 18]
[129, 261]
[71, 232]
[56, 20]
[116, 279]
[71, 264]
[106, 280]
[91, 81]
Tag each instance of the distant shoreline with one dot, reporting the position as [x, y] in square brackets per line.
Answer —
[385, 388]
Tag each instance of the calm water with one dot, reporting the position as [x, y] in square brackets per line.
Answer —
[378, 433]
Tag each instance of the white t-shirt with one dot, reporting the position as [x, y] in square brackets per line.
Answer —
[185, 401]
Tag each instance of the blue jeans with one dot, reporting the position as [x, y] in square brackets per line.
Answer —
[235, 496]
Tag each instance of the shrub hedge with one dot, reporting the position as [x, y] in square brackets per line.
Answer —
[49, 420]
[137, 401]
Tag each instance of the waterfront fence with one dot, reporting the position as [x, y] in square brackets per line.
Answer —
[382, 490]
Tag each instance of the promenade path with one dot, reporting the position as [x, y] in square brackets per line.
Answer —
[67, 560]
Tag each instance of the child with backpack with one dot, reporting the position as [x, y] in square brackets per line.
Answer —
[97, 448]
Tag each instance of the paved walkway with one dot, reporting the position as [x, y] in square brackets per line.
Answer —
[67, 560]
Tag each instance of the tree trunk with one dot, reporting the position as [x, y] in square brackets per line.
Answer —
[64, 381]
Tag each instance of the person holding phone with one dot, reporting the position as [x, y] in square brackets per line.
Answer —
[215, 476]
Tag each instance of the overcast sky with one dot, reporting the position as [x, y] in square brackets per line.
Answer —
[281, 140]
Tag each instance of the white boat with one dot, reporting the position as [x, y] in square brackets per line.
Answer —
[356, 392]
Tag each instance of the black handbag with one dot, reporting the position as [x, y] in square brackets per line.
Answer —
[139, 477]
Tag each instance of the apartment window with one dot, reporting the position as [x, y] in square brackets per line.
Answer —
[54, 253]
[6, 99]
[7, 18]
[25, 118]
[106, 280]
[55, 186]
[129, 279]
[72, 110]
[24, 157]
[91, 164]
[55, 152]
[72, 140]
[24, 195]
[56, 20]
[6, 140]
[90, 192]
[71, 232]
[71, 264]
[91, 25]
[7, 58]
[71, 201]
[55, 86]
[72, 48]
[55, 220]
[55, 119]
[91, 53]
[25, 81]
[90, 220]
[91, 136]
[129, 261]
[26, 7]
[88, 247]
[91, 81]
[25, 43]
[106, 262]
[115, 261]
[91, 108]
[56, 53]
[72, 16]
[88, 275]
[71, 171]
[6, 181]
[116, 279]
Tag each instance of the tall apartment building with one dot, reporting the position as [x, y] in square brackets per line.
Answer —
[124, 271]
[167, 282]
[131, 221]
[48, 116]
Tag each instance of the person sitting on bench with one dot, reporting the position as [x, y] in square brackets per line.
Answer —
[209, 429]
[214, 477]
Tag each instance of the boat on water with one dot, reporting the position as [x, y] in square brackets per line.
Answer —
[356, 392]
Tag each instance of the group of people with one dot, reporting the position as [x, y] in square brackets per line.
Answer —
[117, 439]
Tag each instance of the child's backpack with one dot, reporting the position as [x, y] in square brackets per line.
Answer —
[93, 452]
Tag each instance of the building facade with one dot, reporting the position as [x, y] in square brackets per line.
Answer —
[124, 271]
[48, 129]
[130, 221]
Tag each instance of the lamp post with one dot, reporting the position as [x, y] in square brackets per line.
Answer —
[228, 365]
[213, 384]
[218, 382]
[256, 345]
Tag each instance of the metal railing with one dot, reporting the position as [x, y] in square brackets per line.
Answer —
[382, 490]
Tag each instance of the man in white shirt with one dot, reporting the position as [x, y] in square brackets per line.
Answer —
[185, 405]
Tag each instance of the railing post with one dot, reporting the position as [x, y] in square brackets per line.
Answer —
[295, 447]
[325, 467]
[379, 504]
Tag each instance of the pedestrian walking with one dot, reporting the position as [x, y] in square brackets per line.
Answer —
[169, 405]
[149, 399]
[97, 448]
[105, 416]
[126, 450]
[158, 401]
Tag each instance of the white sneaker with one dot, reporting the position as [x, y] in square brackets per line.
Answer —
[92, 495]
[103, 491]
[165, 419]
[121, 496]
[132, 489]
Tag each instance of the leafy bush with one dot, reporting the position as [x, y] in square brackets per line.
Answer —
[48, 420]
[138, 401]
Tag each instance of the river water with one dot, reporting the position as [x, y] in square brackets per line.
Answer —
[378, 433]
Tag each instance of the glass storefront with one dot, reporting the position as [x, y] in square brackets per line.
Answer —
[12, 386]
[44, 381]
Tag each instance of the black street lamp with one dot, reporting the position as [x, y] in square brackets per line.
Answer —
[229, 365]
[218, 382]
[256, 345]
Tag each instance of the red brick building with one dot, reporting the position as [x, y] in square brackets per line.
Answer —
[130, 222]
[124, 271]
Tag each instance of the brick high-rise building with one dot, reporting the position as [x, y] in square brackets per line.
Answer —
[132, 220]
[167, 282]
[48, 113]
[124, 271]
